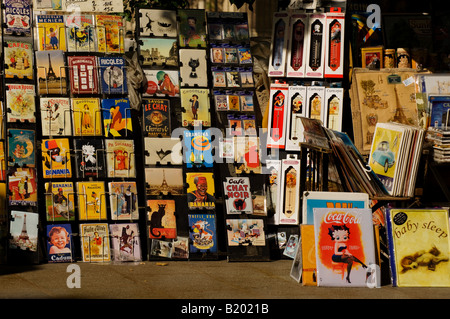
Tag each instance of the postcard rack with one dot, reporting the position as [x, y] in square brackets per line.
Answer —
[19, 218]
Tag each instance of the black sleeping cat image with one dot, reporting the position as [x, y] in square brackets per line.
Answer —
[156, 220]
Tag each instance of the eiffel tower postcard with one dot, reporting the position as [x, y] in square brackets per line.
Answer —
[51, 72]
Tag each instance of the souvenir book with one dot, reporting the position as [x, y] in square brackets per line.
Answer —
[20, 103]
[89, 158]
[192, 28]
[278, 48]
[80, 33]
[160, 52]
[60, 200]
[21, 148]
[193, 66]
[113, 75]
[419, 247]
[308, 251]
[95, 242]
[157, 23]
[18, 17]
[321, 199]
[51, 32]
[162, 83]
[56, 158]
[116, 114]
[350, 234]
[22, 187]
[91, 200]
[289, 205]
[23, 230]
[244, 232]
[163, 151]
[56, 116]
[125, 242]
[297, 46]
[296, 109]
[201, 190]
[83, 74]
[277, 115]
[86, 116]
[156, 117]
[110, 33]
[19, 59]
[161, 215]
[247, 155]
[51, 72]
[198, 148]
[123, 200]
[164, 181]
[120, 158]
[59, 243]
[195, 103]
[202, 233]
[238, 195]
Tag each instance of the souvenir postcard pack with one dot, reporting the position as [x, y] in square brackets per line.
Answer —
[125, 242]
[123, 200]
[59, 244]
[91, 200]
[161, 219]
[23, 230]
[238, 196]
[56, 116]
[80, 33]
[95, 242]
[87, 117]
[60, 201]
[56, 158]
[51, 32]
[21, 148]
[419, 247]
[22, 187]
[116, 114]
[51, 72]
[19, 60]
[120, 158]
[350, 233]
[156, 117]
[163, 151]
[89, 158]
[202, 233]
[245, 232]
[201, 190]
[20, 102]
[113, 75]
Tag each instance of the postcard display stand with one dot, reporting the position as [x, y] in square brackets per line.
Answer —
[19, 217]
[306, 70]
[85, 132]
[235, 102]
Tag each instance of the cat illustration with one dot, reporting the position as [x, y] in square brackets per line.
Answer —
[156, 220]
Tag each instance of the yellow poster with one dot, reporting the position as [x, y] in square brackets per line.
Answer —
[91, 200]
